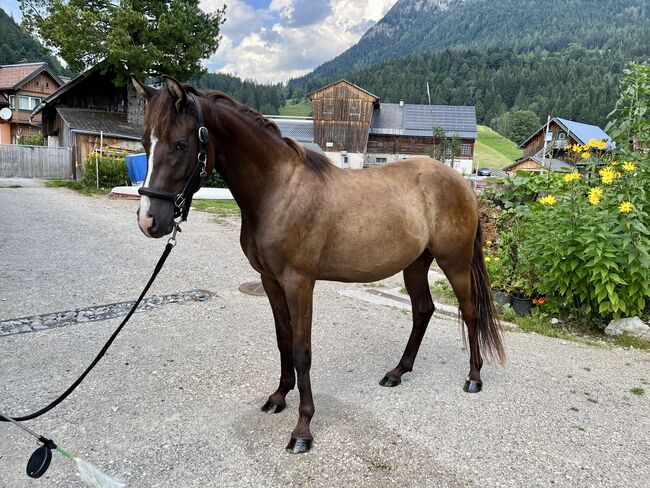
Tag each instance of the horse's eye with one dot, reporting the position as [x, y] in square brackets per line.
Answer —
[181, 146]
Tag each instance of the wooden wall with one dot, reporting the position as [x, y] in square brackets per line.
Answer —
[97, 92]
[536, 144]
[387, 144]
[342, 115]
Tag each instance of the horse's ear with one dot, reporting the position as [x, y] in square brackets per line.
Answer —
[145, 91]
[176, 90]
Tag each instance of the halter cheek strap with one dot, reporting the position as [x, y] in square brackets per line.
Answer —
[183, 200]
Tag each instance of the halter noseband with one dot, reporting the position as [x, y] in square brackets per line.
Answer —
[183, 199]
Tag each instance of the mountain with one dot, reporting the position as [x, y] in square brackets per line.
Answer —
[17, 45]
[413, 26]
[560, 57]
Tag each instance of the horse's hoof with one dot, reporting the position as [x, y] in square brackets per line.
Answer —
[300, 445]
[272, 407]
[390, 382]
[473, 386]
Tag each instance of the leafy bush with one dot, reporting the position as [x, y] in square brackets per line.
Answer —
[112, 170]
[584, 237]
[35, 139]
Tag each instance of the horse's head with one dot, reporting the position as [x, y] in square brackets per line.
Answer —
[171, 141]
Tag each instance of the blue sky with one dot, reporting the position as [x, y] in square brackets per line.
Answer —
[274, 40]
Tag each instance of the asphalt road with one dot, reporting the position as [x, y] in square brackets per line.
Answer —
[176, 401]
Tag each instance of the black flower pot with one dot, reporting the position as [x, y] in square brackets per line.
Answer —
[501, 298]
[522, 306]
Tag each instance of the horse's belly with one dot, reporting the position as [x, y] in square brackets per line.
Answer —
[369, 253]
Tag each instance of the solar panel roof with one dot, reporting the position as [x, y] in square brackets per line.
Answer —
[419, 120]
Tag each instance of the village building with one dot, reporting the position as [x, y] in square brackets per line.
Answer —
[555, 155]
[22, 87]
[91, 111]
[356, 130]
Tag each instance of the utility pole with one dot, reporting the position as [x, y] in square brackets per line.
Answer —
[548, 124]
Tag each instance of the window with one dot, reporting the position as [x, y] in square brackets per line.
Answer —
[380, 144]
[561, 136]
[37, 82]
[27, 103]
[328, 108]
[448, 151]
[380, 160]
[12, 101]
[465, 149]
[47, 84]
[355, 109]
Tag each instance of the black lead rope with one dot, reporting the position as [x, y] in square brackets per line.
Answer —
[168, 248]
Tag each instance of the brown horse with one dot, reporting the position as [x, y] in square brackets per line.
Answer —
[304, 219]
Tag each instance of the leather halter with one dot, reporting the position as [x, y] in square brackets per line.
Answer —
[183, 199]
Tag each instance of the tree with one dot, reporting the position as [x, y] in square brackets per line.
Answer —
[522, 124]
[143, 37]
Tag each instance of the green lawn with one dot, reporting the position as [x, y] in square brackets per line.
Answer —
[221, 208]
[293, 109]
[493, 150]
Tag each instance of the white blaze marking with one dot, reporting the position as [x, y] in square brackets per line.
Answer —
[144, 219]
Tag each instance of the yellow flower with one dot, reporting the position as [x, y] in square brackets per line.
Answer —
[625, 207]
[627, 166]
[585, 155]
[594, 195]
[614, 163]
[572, 177]
[487, 259]
[497, 258]
[608, 175]
[596, 144]
[548, 200]
[489, 243]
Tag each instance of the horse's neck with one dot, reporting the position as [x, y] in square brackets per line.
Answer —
[251, 161]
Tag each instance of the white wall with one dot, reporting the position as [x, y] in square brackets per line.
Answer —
[354, 160]
[463, 166]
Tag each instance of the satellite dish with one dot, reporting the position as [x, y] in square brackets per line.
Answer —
[5, 113]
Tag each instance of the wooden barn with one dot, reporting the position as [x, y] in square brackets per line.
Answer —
[91, 110]
[356, 130]
[342, 115]
[561, 134]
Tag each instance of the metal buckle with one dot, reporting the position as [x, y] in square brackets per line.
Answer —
[172, 239]
[180, 201]
[203, 134]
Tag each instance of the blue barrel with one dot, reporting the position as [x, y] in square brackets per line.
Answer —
[136, 165]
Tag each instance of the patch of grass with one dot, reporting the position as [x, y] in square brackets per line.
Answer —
[376, 285]
[10, 186]
[637, 391]
[581, 429]
[628, 340]
[574, 409]
[442, 291]
[587, 369]
[220, 208]
[77, 186]
[492, 150]
[297, 108]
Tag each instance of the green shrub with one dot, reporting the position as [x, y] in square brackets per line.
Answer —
[35, 139]
[112, 171]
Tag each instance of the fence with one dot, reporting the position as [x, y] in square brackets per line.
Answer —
[35, 162]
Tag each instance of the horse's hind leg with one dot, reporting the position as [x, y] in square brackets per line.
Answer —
[417, 285]
[458, 272]
[276, 402]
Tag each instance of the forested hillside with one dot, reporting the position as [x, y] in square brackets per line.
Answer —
[574, 83]
[16, 45]
[266, 99]
[413, 26]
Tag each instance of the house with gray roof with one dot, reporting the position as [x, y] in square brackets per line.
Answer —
[356, 129]
[549, 149]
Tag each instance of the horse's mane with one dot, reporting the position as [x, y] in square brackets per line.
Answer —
[165, 109]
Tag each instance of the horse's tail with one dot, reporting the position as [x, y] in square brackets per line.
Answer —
[488, 326]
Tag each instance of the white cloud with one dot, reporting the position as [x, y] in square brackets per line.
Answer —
[274, 49]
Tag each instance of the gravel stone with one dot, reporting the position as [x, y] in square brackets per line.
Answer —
[196, 421]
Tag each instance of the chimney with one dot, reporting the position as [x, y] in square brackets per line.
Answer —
[401, 103]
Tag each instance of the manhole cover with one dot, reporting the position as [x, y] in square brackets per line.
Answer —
[254, 288]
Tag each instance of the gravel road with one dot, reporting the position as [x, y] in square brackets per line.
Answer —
[176, 401]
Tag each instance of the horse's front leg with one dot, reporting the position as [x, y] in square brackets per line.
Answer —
[276, 402]
[299, 291]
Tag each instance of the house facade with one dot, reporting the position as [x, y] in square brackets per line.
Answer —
[90, 112]
[356, 130]
[555, 156]
[22, 88]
